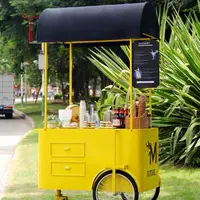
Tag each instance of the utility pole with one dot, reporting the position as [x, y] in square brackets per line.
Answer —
[25, 80]
[41, 67]
[26, 90]
[22, 95]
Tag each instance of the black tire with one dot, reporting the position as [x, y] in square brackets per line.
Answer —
[9, 116]
[155, 195]
[157, 192]
[123, 174]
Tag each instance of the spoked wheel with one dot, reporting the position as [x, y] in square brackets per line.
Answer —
[150, 194]
[126, 188]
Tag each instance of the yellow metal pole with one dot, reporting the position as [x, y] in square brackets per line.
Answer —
[150, 102]
[105, 41]
[45, 83]
[114, 165]
[131, 81]
[70, 72]
[58, 193]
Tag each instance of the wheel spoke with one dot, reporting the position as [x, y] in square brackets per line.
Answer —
[124, 189]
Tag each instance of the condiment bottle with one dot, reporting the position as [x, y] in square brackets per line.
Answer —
[116, 119]
[126, 112]
[121, 115]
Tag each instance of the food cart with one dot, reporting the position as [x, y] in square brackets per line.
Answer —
[119, 163]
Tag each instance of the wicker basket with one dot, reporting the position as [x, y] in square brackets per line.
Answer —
[51, 125]
[139, 122]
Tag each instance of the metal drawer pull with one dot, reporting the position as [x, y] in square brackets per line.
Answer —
[67, 148]
[67, 167]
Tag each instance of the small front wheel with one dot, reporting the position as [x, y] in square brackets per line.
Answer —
[125, 187]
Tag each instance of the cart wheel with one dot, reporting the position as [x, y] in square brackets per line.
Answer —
[150, 194]
[126, 188]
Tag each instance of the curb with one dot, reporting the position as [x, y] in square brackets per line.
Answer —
[24, 116]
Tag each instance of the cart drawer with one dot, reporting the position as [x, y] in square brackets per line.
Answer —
[68, 149]
[68, 168]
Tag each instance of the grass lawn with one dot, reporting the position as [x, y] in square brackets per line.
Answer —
[177, 184]
[34, 110]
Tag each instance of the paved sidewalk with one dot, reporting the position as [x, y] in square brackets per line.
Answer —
[11, 132]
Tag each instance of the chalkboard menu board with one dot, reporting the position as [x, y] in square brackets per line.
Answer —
[145, 64]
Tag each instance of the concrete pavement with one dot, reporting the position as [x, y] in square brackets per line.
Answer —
[11, 132]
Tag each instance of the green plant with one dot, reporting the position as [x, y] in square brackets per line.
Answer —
[53, 119]
[176, 101]
[117, 71]
[58, 96]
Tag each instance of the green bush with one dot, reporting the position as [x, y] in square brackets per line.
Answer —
[94, 99]
[58, 96]
[176, 102]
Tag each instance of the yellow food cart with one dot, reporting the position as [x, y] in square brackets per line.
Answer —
[113, 163]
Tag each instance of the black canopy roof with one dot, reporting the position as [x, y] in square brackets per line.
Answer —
[92, 23]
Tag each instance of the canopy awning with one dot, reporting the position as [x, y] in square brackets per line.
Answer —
[97, 23]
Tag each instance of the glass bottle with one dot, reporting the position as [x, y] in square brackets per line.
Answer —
[96, 119]
[116, 119]
[91, 113]
[87, 116]
[126, 112]
[121, 115]
[82, 110]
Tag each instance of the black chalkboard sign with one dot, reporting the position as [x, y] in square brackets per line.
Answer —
[145, 64]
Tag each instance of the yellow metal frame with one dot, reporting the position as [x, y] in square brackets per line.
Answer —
[71, 67]
[131, 81]
[45, 83]
[70, 72]
[50, 143]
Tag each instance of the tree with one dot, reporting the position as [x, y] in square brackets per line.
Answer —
[58, 66]
[34, 76]
[14, 36]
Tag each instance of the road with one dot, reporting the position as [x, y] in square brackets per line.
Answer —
[11, 132]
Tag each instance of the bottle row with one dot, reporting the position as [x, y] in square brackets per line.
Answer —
[79, 116]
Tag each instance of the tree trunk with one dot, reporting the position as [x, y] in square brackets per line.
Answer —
[37, 94]
[86, 87]
[94, 87]
[76, 91]
[63, 89]
[77, 84]
[83, 84]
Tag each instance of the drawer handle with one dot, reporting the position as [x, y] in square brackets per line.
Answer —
[67, 148]
[67, 167]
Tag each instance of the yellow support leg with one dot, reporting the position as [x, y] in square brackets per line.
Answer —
[114, 166]
[59, 196]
